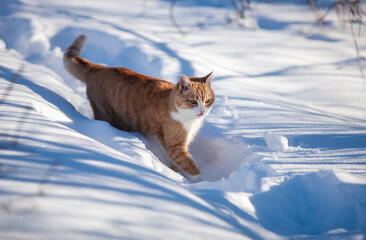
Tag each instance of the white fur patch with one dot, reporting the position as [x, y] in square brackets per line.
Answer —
[189, 119]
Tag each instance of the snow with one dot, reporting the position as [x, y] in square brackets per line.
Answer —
[275, 142]
[282, 152]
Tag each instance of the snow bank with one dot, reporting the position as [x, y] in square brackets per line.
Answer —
[312, 204]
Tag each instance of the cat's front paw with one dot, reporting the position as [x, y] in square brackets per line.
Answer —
[193, 179]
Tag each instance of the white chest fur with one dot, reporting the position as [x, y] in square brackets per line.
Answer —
[190, 121]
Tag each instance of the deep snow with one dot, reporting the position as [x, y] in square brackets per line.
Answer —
[283, 151]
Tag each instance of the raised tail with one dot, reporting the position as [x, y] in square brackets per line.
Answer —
[74, 64]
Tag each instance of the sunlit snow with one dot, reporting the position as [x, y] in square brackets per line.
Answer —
[283, 151]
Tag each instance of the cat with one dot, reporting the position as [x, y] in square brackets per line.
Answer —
[156, 108]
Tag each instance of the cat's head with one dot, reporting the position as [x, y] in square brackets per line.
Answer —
[194, 96]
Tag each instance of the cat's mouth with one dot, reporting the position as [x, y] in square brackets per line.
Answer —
[200, 115]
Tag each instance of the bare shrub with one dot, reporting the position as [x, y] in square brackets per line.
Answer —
[349, 14]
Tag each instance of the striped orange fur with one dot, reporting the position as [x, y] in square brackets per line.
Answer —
[131, 101]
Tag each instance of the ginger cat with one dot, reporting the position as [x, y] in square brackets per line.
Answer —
[131, 101]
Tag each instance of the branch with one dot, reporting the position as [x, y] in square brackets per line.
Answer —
[172, 18]
[13, 80]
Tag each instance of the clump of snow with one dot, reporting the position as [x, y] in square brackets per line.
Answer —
[217, 158]
[2, 45]
[274, 142]
[247, 178]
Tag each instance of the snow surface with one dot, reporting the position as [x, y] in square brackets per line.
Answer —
[275, 142]
[283, 151]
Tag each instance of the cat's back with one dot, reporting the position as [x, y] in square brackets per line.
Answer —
[127, 78]
[129, 100]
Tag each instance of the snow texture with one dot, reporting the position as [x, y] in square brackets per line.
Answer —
[275, 142]
[282, 152]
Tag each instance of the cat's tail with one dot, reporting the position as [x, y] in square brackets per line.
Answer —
[74, 64]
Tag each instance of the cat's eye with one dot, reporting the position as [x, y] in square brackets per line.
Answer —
[208, 101]
[193, 102]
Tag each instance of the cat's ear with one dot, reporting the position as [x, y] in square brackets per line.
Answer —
[207, 78]
[184, 83]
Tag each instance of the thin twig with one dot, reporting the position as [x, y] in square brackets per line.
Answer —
[7, 206]
[238, 9]
[319, 17]
[144, 7]
[172, 18]
[241, 6]
[8, 90]
[20, 124]
[354, 14]
[13, 80]
[46, 177]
